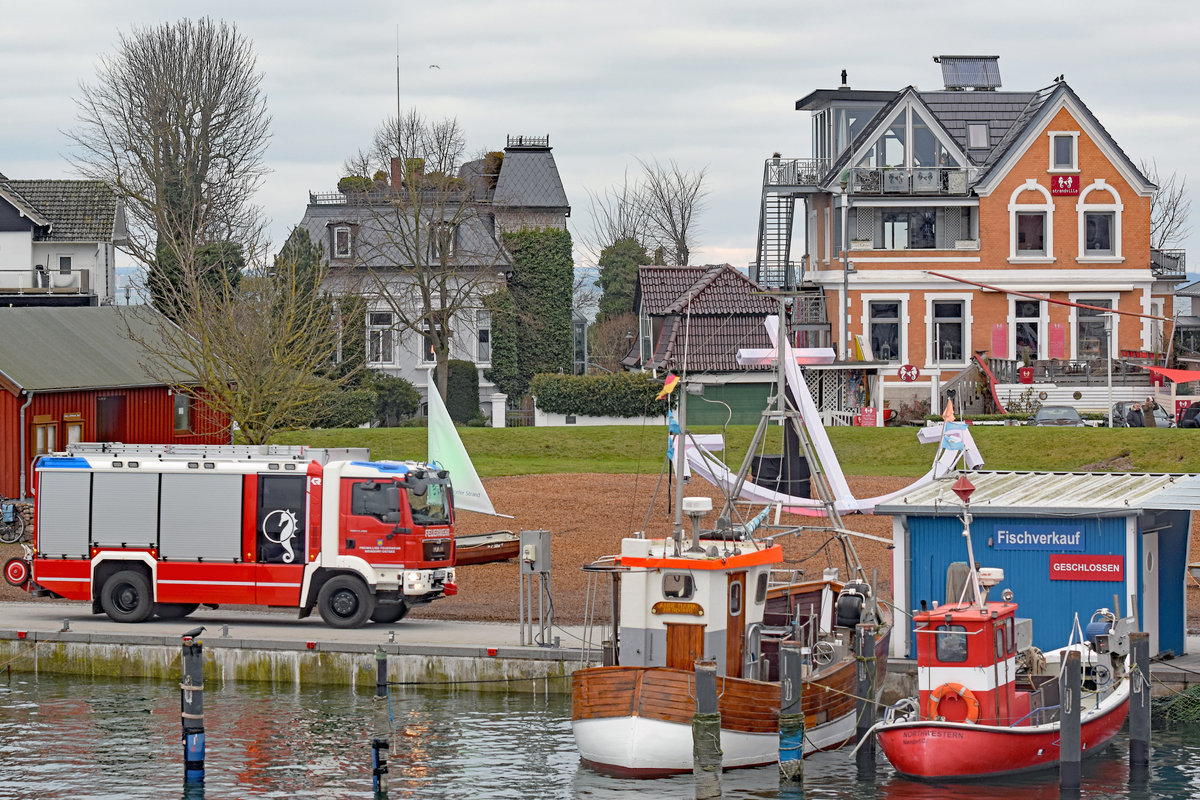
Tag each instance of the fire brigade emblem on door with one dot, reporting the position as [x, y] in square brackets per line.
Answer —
[279, 527]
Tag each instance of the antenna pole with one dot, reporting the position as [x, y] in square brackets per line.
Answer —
[398, 153]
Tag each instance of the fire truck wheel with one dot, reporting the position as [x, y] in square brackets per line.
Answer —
[390, 612]
[174, 610]
[344, 602]
[16, 571]
[126, 597]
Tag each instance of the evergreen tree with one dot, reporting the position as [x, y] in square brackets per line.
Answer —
[618, 276]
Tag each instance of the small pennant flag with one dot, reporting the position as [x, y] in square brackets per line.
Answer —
[669, 384]
[952, 436]
[948, 414]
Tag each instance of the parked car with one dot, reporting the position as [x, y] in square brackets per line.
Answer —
[1161, 418]
[1190, 416]
[1058, 415]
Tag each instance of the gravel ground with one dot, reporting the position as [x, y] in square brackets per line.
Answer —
[588, 515]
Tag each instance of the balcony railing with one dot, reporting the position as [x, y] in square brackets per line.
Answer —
[910, 181]
[28, 281]
[794, 171]
[1168, 263]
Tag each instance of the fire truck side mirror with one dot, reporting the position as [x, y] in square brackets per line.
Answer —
[392, 517]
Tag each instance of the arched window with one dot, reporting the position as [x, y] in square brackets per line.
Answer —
[1030, 223]
[1099, 210]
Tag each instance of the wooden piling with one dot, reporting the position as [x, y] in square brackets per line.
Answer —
[191, 708]
[379, 767]
[380, 674]
[864, 683]
[791, 715]
[706, 733]
[1070, 746]
[1139, 701]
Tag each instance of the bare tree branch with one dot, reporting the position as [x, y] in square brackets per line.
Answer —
[1170, 208]
[670, 199]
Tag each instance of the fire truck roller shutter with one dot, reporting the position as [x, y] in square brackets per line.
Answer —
[125, 509]
[64, 505]
[201, 517]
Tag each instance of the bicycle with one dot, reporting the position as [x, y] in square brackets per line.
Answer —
[12, 524]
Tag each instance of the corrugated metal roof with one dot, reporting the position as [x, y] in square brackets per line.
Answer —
[1054, 493]
[48, 349]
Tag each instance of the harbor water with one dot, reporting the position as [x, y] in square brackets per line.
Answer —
[85, 739]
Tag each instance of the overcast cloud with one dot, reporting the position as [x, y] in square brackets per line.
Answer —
[708, 84]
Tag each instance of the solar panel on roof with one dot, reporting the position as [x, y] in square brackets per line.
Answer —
[970, 72]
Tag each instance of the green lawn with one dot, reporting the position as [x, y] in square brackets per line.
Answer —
[862, 451]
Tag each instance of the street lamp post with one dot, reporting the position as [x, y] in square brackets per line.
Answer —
[1108, 326]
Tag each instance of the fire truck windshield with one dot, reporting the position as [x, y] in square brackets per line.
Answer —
[430, 504]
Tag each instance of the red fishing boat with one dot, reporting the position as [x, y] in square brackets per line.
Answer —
[989, 702]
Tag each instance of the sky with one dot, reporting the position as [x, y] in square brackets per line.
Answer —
[710, 85]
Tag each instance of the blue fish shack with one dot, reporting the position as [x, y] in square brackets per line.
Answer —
[1069, 543]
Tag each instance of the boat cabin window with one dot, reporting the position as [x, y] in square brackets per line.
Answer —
[1001, 649]
[951, 643]
[1010, 635]
[760, 591]
[735, 599]
[677, 585]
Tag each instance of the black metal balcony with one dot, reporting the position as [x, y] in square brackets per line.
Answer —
[909, 181]
[794, 171]
[1169, 264]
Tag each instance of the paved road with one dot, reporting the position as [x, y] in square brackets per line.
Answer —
[270, 629]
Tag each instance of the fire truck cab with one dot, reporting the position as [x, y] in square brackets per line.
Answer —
[142, 531]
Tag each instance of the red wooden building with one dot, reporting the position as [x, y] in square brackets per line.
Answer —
[75, 375]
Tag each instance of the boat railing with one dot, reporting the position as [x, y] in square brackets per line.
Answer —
[592, 601]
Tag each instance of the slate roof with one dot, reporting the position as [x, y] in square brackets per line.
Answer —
[998, 109]
[79, 211]
[91, 348]
[529, 179]
[711, 312]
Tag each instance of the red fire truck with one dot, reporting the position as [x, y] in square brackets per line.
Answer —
[142, 531]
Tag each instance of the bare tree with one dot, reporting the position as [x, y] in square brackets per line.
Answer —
[610, 340]
[176, 121]
[440, 145]
[670, 199]
[1170, 208]
[429, 255]
[260, 349]
[617, 213]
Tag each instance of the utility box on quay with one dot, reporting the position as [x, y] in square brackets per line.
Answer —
[1067, 542]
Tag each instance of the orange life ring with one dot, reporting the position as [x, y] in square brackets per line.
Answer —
[968, 697]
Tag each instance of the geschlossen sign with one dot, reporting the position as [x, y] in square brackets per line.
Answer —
[1087, 568]
[1040, 536]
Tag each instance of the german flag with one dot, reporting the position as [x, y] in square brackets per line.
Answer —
[669, 384]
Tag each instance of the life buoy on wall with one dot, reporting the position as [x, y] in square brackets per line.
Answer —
[968, 697]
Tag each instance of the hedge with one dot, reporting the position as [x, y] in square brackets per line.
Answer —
[623, 394]
[462, 391]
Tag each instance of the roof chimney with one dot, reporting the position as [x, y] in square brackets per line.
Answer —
[844, 84]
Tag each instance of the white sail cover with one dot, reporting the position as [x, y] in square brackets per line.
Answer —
[699, 458]
[447, 451]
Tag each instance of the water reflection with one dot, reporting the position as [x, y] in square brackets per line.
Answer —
[98, 739]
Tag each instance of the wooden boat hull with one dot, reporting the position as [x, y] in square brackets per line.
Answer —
[485, 548]
[637, 721]
[933, 750]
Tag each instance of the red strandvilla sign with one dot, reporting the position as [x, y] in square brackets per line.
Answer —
[1081, 567]
[1064, 184]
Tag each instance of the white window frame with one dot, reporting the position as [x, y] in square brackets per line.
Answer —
[1043, 328]
[974, 128]
[483, 323]
[1074, 168]
[386, 335]
[931, 357]
[64, 268]
[1082, 208]
[865, 301]
[182, 413]
[1046, 207]
[1073, 318]
[439, 233]
[349, 251]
